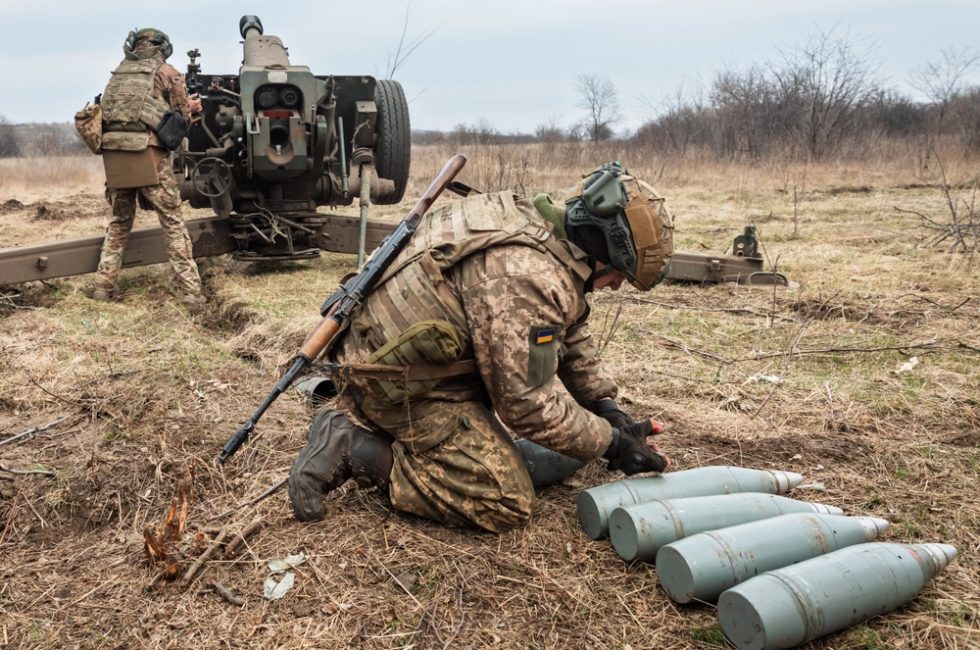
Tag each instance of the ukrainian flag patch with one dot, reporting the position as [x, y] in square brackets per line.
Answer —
[544, 335]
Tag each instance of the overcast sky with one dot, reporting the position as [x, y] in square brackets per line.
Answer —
[512, 63]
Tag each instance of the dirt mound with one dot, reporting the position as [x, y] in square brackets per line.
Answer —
[44, 212]
[11, 205]
[27, 296]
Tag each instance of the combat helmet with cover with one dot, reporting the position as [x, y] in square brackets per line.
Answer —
[157, 42]
[622, 222]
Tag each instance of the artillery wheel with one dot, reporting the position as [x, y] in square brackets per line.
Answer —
[211, 177]
[393, 144]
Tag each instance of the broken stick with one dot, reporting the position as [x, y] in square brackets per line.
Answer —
[212, 547]
[239, 540]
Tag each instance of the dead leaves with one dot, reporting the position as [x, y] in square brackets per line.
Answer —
[161, 547]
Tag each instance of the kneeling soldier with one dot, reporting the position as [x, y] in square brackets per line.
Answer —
[484, 308]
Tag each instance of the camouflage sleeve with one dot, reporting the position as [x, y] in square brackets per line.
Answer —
[170, 85]
[520, 304]
[580, 369]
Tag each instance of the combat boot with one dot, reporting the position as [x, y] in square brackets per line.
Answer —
[336, 450]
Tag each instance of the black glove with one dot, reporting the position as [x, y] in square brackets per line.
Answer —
[630, 453]
[609, 410]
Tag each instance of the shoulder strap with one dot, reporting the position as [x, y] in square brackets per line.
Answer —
[415, 372]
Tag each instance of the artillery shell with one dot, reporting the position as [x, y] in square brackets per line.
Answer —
[796, 604]
[638, 531]
[702, 566]
[596, 504]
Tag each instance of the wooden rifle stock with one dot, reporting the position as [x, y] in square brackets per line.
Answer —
[343, 303]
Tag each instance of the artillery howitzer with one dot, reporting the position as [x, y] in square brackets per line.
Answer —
[275, 142]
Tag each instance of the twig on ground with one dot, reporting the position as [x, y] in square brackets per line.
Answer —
[41, 471]
[208, 552]
[227, 594]
[679, 345]
[785, 369]
[605, 335]
[396, 580]
[157, 579]
[8, 299]
[37, 514]
[239, 540]
[925, 345]
[723, 310]
[66, 400]
[272, 490]
[30, 432]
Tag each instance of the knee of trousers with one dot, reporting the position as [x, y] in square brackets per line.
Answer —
[475, 476]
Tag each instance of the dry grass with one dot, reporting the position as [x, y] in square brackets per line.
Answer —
[150, 392]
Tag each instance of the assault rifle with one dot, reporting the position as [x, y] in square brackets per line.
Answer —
[340, 306]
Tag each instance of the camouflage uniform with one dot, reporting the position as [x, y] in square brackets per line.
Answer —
[493, 268]
[164, 198]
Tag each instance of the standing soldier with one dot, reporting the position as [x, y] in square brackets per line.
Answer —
[480, 313]
[143, 106]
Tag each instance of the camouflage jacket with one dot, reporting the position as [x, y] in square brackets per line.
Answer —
[168, 86]
[518, 302]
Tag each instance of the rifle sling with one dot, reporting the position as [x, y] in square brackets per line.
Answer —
[416, 372]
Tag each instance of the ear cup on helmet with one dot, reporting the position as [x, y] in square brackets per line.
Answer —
[129, 43]
[160, 40]
[624, 218]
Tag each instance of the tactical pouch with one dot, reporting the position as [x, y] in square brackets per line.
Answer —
[88, 123]
[425, 342]
[153, 112]
[131, 168]
[125, 141]
[173, 129]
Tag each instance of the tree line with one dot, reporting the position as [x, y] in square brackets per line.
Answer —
[39, 140]
[819, 100]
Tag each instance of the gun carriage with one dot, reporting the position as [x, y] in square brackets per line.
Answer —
[275, 141]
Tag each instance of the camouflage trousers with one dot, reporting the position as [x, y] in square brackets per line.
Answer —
[454, 464]
[164, 199]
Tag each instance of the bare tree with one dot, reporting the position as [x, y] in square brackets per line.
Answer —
[673, 123]
[406, 45]
[551, 131]
[9, 146]
[942, 80]
[598, 97]
[829, 78]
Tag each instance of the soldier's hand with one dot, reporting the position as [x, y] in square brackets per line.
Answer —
[631, 453]
[194, 102]
[609, 410]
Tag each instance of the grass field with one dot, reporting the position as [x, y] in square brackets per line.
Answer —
[133, 399]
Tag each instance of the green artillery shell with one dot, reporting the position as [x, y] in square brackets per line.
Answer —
[546, 467]
[639, 530]
[596, 504]
[702, 566]
[790, 606]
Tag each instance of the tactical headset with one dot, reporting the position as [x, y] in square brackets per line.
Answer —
[161, 41]
[636, 228]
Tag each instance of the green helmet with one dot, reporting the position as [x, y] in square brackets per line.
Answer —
[159, 42]
[622, 222]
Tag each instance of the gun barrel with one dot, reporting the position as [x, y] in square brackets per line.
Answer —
[241, 436]
[260, 50]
